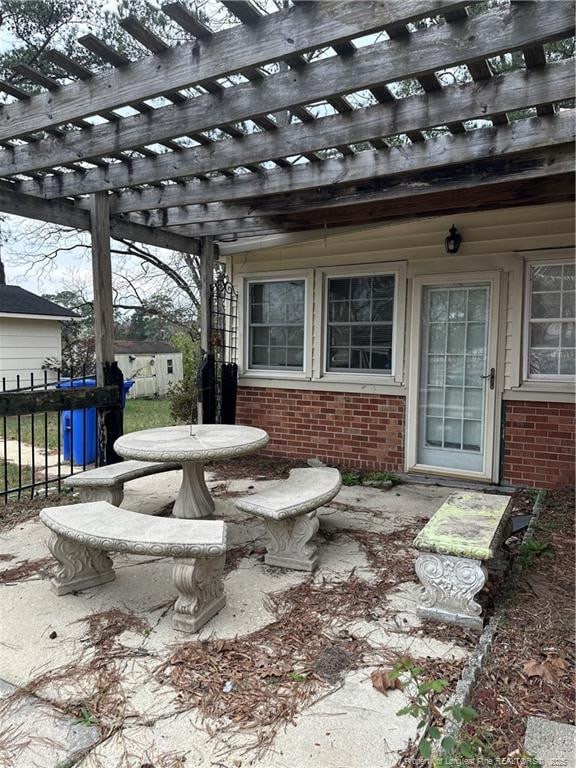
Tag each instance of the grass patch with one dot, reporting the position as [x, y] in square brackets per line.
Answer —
[146, 414]
[14, 480]
[138, 414]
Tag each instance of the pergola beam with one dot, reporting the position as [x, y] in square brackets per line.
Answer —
[274, 36]
[549, 170]
[69, 215]
[520, 136]
[472, 100]
[428, 50]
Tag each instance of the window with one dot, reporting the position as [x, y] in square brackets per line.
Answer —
[360, 312]
[169, 366]
[551, 318]
[276, 324]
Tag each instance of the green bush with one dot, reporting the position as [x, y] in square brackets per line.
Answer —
[183, 395]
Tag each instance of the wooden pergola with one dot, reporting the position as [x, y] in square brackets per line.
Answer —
[224, 138]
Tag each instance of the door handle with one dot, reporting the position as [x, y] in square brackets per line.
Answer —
[491, 376]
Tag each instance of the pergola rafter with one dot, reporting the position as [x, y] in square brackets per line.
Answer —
[54, 157]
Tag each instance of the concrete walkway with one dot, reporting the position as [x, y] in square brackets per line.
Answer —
[49, 642]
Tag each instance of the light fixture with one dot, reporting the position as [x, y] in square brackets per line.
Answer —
[453, 240]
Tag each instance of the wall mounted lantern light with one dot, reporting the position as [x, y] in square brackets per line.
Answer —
[453, 240]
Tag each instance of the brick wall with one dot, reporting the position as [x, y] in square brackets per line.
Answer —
[352, 430]
[539, 444]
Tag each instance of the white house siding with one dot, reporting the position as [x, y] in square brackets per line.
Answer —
[150, 372]
[25, 344]
[498, 240]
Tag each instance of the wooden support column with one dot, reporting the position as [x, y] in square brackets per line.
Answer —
[206, 383]
[110, 421]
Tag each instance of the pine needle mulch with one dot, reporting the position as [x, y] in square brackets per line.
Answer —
[530, 670]
[256, 684]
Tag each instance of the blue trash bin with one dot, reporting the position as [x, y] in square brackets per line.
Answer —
[128, 384]
[78, 428]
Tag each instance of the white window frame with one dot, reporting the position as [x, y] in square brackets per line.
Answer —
[396, 268]
[307, 275]
[548, 260]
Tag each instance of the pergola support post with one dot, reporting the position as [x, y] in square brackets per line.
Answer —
[110, 421]
[206, 373]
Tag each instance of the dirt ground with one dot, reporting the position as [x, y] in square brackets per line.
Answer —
[530, 670]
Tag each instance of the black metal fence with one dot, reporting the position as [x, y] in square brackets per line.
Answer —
[49, 429]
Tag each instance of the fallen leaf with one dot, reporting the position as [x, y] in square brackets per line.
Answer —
[549, 670]
[382, 682]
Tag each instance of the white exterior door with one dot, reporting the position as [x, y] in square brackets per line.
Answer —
[453, 385]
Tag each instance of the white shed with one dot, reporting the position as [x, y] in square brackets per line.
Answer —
[30, 332]
[153, 365]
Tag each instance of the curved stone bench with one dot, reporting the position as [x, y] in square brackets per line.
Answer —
[83, 534]
[456, 545]
[107, 483]
[289, 512]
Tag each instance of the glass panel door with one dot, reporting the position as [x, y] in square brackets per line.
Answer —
[453, 362]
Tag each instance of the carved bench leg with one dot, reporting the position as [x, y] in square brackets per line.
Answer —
[81, 567]
[200, 586]
[289, 544]
[112, 494]
[449, 585]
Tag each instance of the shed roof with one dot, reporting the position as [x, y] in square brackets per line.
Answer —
[17, 301]
[145, 347]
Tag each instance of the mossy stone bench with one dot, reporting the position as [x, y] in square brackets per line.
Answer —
[455, 547]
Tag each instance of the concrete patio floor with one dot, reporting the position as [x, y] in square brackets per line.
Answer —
[48, 643]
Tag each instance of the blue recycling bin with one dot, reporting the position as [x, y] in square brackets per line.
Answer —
[79, 428]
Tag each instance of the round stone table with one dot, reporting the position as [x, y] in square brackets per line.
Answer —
[193, 447]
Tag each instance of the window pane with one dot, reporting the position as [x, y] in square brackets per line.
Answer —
[545, 334]
[452, 433]
[359, 310]
[383, 287]
[476, 337]
[457, 306]
[547, 278]
[276, 319]
[477, 304]
[474, 369]
[437, 338]
[472, 435]
[456, 337]
[473, 403]
[543, 361]
[360, 335]
[454, 402]
[438, 305]
[455, 369]
[360, 315]
[261, 336]
[339, 311]
[568, 304]
[436, 371]
[381, 359]
[277, 336]
[434, 432]
[360, 288]
[546, 305]
[567, 362]
[568, 334]
[553, 299]
[435, 401]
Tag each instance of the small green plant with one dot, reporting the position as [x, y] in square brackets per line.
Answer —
[296, 677]
[424, 706]
[86, 718]
[532, 549]
[351, 478]
[382, 477]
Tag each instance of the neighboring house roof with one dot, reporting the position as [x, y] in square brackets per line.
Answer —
[16, 301]
[129, 347]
